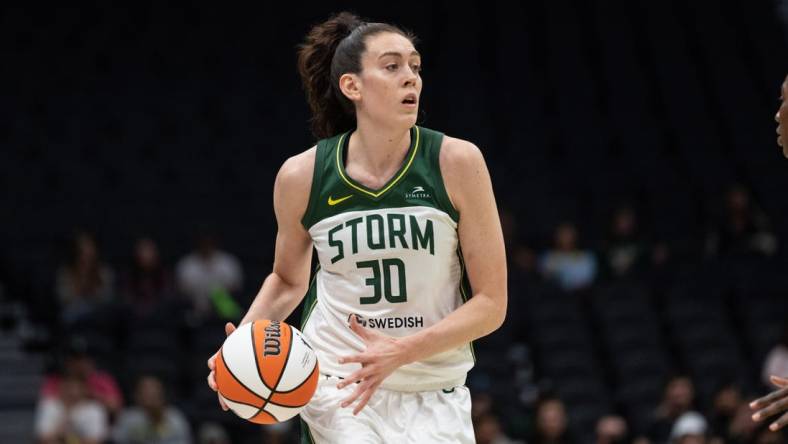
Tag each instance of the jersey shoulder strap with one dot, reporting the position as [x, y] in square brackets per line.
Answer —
[430, 167]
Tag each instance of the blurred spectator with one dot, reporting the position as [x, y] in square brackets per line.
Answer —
[551, 423]
[742, 427]
[626, 252]
[212, 433]
[776, 362]
[518, 423]
[488, 430]
[729, 419]
[689, 428]
[151, 421]
[71, 416]
[84, 282]
[612, 429]
[277, 433]
[206, 273]
[566, 264]
[678, 398]
[147, 283]
[743, 228]
[725, 404]
[481, 404]
[78, 364]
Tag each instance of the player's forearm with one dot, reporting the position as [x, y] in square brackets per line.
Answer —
[276, 299]
[478, 317]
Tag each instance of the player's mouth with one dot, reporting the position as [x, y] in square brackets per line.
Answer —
[411, 100]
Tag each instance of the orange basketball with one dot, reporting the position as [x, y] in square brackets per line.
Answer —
[266, 372]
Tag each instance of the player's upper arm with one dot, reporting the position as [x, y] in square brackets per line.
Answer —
[292, 186]
[470, 190]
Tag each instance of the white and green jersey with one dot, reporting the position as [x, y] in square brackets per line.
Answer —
[390, 256]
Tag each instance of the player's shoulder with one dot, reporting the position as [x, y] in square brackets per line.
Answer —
[461, 161]
[459, 154]
[298, 168]
[293, 184]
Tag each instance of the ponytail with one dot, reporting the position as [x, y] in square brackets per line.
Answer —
[331, 49]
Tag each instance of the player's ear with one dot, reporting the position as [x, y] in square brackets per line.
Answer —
[350, 85]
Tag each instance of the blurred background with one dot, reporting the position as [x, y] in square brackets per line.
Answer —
[632, 149]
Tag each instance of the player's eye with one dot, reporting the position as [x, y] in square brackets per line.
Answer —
[392, 67]
[416, 68]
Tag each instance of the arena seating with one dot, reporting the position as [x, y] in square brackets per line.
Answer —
[129, 123]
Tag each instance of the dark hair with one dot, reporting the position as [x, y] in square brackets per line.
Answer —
[89, 279]
[333, 48]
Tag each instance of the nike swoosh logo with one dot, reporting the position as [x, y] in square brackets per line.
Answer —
[333, 202]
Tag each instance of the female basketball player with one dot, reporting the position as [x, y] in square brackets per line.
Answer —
[411, 254]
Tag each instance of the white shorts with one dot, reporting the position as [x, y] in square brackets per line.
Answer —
[438, 416]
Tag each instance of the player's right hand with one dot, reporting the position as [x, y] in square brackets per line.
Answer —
[228, 328]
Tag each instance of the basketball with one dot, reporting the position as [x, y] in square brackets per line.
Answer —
[266, 372]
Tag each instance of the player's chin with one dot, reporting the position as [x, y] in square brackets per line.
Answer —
[409, 116]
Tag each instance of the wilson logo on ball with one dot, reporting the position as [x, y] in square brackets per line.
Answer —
[266, 371]
[272, 335]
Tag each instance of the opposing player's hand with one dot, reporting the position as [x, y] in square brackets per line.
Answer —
[228, 328]
[772, 404]
[782, 118]
[383, 355]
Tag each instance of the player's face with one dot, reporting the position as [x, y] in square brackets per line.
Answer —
[390, 83]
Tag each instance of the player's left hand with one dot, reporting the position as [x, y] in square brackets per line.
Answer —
[773, 403]
[383, 355]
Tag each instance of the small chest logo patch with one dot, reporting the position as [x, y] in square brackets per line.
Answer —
[332, 201]
[417, 192]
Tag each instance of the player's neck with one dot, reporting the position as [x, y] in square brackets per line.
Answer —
[378, 150]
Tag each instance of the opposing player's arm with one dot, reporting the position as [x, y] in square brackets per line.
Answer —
[470, 189]
[284, 288]
[775, 403]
